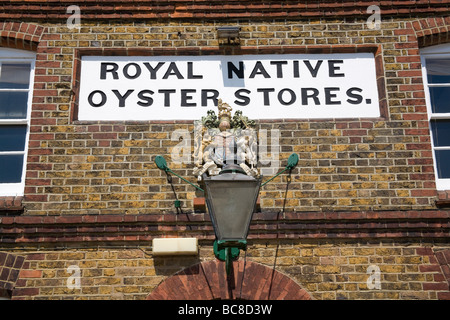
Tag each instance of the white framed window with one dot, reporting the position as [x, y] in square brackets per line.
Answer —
[16, 93]
[436, 77]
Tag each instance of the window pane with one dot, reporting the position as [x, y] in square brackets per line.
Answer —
[438, 70]
[15, 75]
[13, 105]
[443, 163]
[441, 132]
[11, 168]
[440, 99]
[12, 138]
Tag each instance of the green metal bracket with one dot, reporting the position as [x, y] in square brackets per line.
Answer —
[162, 164]
[292, 162]
[228, 251]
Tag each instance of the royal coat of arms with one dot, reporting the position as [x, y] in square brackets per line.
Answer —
[223, 139]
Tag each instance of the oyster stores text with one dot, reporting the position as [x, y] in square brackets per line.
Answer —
[262, 86]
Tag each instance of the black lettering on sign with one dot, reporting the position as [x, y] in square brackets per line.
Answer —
[121, 97]
[329, 96]
[332, 68]
[296, 69]
[167, 93]
[292, 95]
[313, 95]
[237, 71]
[355, 98]
[137, 70]
[265, 92]
[313, 70]
[209, 94]
[185, 97]
[153, 70]
[172, 70]
[243, 100]
[279, 65]
[259, 69]
[191, 75]
[147, 101]
[110, 67]
[102, 100]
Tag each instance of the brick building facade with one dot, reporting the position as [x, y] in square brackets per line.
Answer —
[363, 194]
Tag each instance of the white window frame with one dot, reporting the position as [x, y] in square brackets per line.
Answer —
[15, 55]
[438, 51]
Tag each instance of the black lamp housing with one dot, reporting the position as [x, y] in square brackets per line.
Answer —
[231, 199]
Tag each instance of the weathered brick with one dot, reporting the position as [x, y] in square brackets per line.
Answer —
[30, 274]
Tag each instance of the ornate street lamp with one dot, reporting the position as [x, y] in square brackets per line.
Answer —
[231, 200]
[232, 190]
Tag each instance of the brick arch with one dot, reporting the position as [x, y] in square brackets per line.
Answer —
[20, 35]
[432, 31]
[208, 281]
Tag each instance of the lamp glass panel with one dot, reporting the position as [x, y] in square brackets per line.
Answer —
[231, 205]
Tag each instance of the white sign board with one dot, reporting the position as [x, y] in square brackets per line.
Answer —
[281, 86]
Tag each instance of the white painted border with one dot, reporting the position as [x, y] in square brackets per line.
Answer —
[359, 69]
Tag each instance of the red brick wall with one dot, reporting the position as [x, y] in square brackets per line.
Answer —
[10, 267]
[365, 181]
[121, 229]
[393, 153]
[216, 9]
